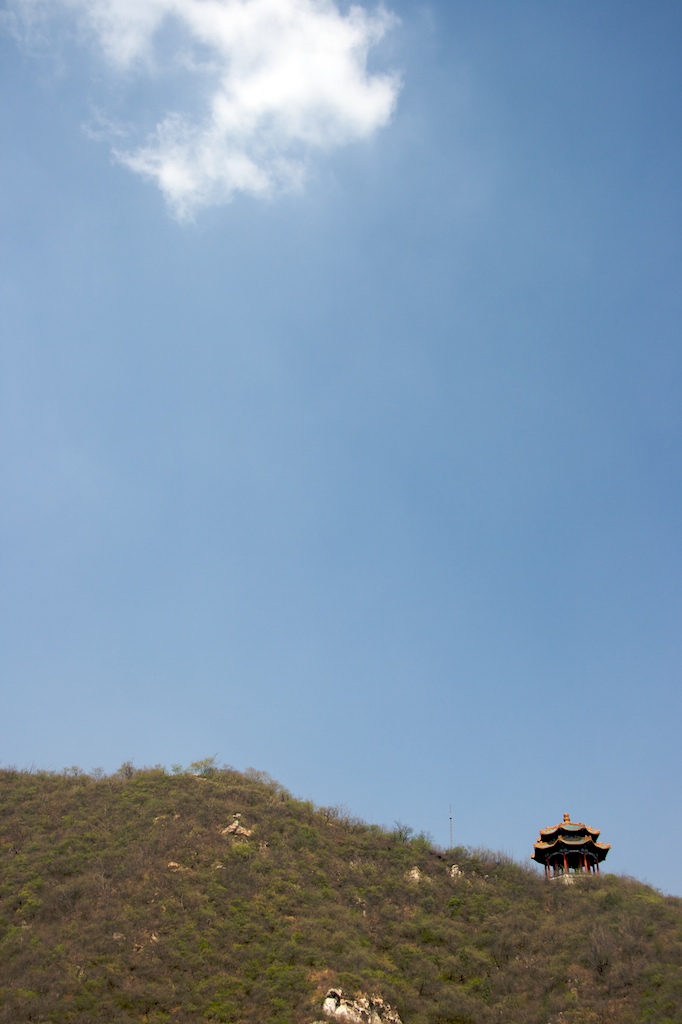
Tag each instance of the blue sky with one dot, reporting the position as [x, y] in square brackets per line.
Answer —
[341, 408]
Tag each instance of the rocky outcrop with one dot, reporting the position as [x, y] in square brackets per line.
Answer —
[361, 1010]
[236, 828]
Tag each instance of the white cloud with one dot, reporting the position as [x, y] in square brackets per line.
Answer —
[279, 79]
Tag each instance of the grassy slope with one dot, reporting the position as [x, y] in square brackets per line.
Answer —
[95, 925]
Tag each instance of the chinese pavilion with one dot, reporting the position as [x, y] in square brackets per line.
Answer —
[569, 848]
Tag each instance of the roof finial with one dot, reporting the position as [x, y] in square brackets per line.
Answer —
[567, 817]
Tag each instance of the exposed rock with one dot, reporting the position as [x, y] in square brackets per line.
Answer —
[361, 1010]
[236, 828]
[414, 874]
[456, 871]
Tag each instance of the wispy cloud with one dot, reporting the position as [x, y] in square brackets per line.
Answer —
[279, 79]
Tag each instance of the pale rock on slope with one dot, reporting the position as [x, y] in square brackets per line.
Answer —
[361, 1010]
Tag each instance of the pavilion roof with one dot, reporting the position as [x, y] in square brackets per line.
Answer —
[569, 835]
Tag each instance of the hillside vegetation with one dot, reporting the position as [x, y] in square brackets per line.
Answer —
[218, 897]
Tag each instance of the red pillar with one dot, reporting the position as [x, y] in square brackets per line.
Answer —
[565, 863]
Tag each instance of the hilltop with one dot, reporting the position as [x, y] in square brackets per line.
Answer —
[215, 896]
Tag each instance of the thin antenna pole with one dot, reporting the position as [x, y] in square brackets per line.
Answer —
[450, 826]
